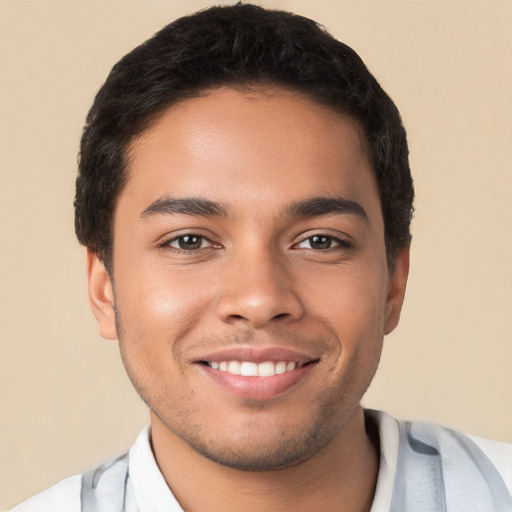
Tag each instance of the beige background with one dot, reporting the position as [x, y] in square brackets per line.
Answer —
[65, 401]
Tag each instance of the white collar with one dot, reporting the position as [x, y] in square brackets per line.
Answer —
[153, 494]
[151, 490]
[388, 439]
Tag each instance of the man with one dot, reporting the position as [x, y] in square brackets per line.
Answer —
[245, 197]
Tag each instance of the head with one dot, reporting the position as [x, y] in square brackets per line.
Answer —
[245, 196]
[240, 46]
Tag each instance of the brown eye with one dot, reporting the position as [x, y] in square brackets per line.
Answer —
[320, 242]
[188, 242]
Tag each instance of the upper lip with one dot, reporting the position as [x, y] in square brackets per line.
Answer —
[257, 355]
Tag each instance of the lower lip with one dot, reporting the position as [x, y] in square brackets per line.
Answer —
[257, 388]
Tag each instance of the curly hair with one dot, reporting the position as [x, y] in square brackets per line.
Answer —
[237, 46]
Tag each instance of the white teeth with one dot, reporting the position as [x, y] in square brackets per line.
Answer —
[281, 367]
[250, 369]
[234, 367]
[266, 369]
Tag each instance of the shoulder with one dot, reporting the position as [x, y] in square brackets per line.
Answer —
[500, 454]
[107, 487]
[481, 467]
[62, 497]
[443, 438]
[465, 463]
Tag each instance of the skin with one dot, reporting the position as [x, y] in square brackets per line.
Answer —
[256, 277]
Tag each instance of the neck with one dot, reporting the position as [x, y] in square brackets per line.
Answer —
[340, 477]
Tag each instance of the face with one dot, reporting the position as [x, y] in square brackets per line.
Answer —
[250, 279]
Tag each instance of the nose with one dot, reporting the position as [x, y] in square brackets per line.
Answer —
[258, 290]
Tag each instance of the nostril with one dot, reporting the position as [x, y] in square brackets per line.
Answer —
[257, 308]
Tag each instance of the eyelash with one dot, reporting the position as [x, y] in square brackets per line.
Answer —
[167, 243]
[341, 244]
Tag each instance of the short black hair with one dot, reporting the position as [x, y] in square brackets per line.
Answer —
[238, 45]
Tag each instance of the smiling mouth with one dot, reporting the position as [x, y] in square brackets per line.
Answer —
[252, 369]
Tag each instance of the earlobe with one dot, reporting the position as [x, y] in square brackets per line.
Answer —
[101, 296]
[396, 289]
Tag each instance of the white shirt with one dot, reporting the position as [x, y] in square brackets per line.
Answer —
[152, 494]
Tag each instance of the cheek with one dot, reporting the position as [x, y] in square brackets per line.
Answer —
[156, 309]
[351, 301]
[154, 317]
[354, 306]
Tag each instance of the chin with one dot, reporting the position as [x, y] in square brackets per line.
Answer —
[281, 454]
[264, 445]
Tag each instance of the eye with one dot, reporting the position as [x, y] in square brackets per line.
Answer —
[189, 242]
[322, 243]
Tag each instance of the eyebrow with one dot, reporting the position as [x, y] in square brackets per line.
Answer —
[320, 206]
[195, 206]
[310, 207]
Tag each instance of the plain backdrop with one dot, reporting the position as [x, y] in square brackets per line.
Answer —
[66, 403]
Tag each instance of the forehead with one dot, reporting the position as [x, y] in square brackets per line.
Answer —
[240, 147]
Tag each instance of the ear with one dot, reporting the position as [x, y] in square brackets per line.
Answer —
[396, 289]
[101, 296]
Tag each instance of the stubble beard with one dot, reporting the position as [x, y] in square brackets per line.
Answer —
[283, 450]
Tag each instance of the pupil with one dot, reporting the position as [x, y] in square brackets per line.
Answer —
[189, 242]
[320, 242]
